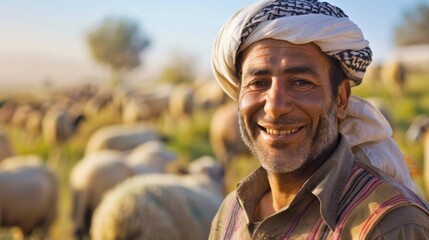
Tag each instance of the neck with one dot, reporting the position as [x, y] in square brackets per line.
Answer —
[285, 186]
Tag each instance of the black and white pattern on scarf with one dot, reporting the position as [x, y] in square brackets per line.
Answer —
[354, 60]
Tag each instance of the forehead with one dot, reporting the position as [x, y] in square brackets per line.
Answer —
[271, 50]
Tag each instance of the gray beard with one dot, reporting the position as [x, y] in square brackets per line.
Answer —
[326, 134]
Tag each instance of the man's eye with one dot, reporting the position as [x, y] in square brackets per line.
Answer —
[260, 83]
[301, 82]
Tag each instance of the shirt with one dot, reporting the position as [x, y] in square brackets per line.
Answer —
[321, 209]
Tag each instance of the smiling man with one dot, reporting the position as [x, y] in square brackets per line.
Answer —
[290, 66]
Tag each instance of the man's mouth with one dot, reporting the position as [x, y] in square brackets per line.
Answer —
[280, 132]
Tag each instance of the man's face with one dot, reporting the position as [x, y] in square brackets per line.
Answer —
[288, 116]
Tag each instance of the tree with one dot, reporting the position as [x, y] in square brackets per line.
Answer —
[414, 28]
[117, 43]
[179, 69]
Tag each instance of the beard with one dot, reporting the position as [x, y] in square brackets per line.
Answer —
[309, 151]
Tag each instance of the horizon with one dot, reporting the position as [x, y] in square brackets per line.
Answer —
[45, 42]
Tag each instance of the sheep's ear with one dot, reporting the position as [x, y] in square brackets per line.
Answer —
[342, 100]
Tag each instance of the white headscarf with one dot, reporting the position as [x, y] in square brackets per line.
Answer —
[306, 21]
[299, 22]
[369, 135]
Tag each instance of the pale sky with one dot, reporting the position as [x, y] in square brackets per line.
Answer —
[42, 40]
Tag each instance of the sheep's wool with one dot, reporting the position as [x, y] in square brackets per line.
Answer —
[295, 21]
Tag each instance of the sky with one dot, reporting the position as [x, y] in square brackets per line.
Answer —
[44, 41]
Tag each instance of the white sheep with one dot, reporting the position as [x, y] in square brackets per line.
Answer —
[29, 198]
[90, 178]
[120, 137]
[150, 157]
[155, 206]
[17, 161]
[208, 173]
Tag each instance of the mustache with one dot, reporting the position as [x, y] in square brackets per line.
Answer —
[283, 120]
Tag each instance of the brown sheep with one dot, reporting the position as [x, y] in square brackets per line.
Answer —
[225, 137]
[209, 96]
[5, 146]
[181, 101]
[393, 75]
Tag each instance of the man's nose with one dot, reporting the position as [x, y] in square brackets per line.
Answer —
[278, 101]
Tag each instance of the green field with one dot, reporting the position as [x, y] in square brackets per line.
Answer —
[190, 140]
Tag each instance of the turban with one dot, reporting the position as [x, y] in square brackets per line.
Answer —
[295, 21]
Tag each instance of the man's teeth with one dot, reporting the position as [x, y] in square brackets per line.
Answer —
[283, 132]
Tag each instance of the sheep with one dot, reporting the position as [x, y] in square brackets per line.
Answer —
[6, 149]
[225, 138]
[97, 102]
[7, 110]
[29, 199]
[33, 124]
[181, 101]
[209, 96]
[120, 137]
[90, 178]
[20, 115]
[393, 74]
[418, 131]
[207, 172]
[135, 110]
[21, 160]
[149, 102]
[150, 157]
[58, 125]
[156, 206]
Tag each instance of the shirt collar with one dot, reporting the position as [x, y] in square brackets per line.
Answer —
[327, 184]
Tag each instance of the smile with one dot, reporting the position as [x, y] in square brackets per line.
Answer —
[280, 132]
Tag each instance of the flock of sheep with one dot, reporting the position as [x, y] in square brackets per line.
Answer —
[123, 186]
[122, 180]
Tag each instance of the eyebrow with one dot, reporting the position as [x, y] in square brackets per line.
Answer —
[297, 69]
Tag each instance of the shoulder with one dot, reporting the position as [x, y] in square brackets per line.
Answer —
[229, 202]
[377, 197]
[403, 223]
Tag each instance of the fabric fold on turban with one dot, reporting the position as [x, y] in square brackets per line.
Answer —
[298, 22]
[369, 134]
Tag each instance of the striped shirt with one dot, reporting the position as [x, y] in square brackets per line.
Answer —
[343, 199]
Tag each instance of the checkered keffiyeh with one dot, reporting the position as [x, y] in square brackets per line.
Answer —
[295, 21]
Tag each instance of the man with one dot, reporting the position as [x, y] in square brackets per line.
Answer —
[290, 65]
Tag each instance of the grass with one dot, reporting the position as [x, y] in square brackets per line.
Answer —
[189, 138]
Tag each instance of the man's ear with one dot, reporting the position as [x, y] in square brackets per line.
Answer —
[343, 99]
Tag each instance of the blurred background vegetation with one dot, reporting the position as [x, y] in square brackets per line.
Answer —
[118, 43]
